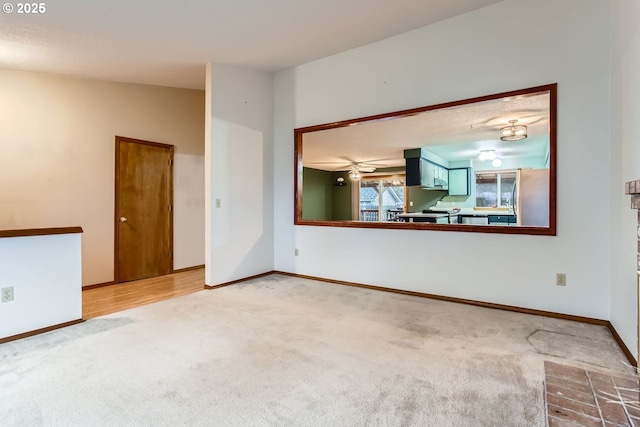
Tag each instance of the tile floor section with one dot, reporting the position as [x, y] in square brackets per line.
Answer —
[576, 397]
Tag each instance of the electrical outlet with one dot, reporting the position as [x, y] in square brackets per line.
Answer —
[7, 294]
[561, 279]
[218, 203]
[296, 252]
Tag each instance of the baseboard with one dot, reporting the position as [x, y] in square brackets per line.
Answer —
[182, 270]
[221, 285]
[457, 300]
[515, 309]
[98, 285]
[40, 331]
[622, 345]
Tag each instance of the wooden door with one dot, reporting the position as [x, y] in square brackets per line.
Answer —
[144, 209]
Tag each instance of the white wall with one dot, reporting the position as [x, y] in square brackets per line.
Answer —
[511, 45]
[625, 166]
[188, 216]
[57, 139]
[239, 173]
[45, 272]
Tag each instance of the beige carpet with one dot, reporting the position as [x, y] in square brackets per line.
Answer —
[293, 352]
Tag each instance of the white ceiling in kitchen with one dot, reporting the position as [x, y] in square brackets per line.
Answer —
[456, 133]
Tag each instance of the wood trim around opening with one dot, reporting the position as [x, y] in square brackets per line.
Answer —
[27, 232]
[551, 230]
[116, 240]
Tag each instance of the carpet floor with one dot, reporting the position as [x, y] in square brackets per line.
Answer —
[283, 351]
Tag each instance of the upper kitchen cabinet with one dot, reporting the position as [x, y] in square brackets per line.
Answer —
[459, 182]
[442, 174]
[423, 169]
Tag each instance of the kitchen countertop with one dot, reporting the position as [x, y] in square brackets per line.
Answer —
[474, 212]
[424, 215]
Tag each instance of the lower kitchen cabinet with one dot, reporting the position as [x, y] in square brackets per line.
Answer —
[474, 219]
[502, 219]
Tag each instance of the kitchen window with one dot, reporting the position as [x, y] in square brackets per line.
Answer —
[495, 189]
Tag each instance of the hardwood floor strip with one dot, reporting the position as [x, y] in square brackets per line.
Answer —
[123, 296]
[180, 270]
[40, 331]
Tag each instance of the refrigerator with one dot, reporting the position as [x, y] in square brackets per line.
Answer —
[531, 199]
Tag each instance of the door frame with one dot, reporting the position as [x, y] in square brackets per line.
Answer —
[116, 218]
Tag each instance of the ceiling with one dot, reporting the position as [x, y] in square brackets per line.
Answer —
[456, 133]
[168, 43]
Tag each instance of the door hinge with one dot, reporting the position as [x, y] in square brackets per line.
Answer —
[170, 162]
[170, 208]
[169, 254]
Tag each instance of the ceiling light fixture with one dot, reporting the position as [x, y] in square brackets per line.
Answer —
[513, 132]
[496, 163]
[354, 173]
[487, 155]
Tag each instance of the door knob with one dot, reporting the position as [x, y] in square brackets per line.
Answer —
[123, 219]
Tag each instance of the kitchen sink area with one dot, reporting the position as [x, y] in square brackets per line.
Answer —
[467, 216]
[447, 213]
[432, 217]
